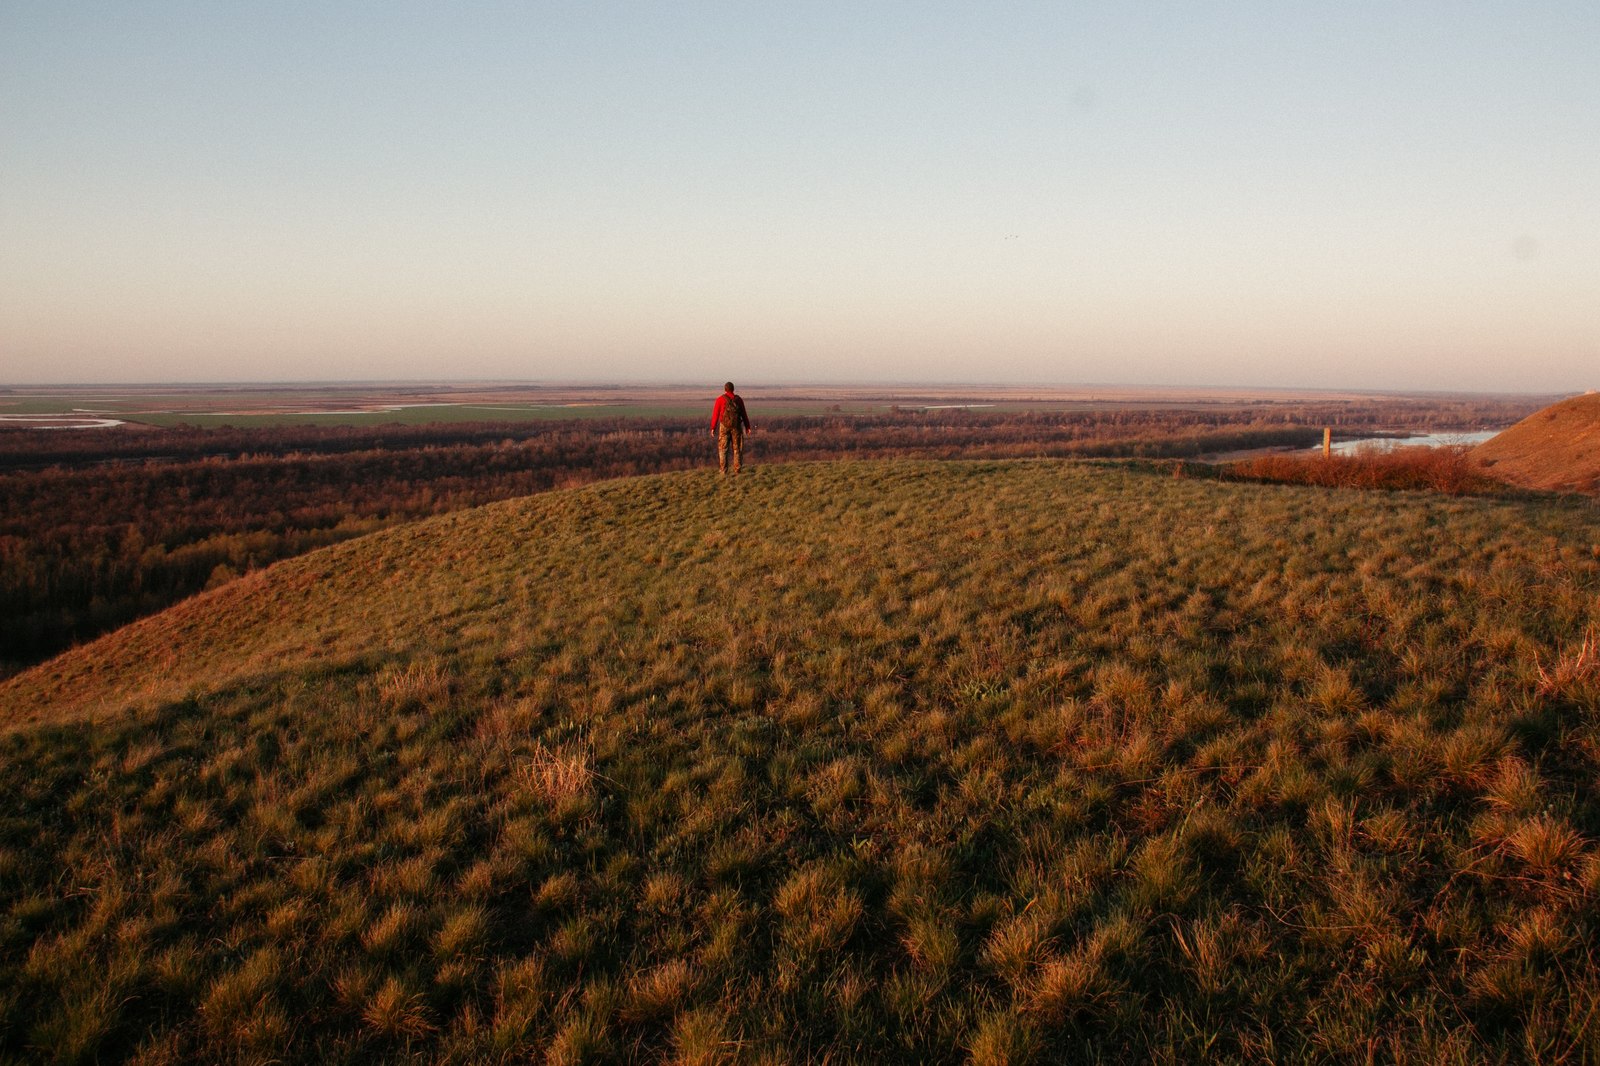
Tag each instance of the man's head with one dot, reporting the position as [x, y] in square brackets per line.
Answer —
[727, 387]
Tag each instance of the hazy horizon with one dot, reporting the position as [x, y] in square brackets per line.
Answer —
[1175, 196]
[753, 386]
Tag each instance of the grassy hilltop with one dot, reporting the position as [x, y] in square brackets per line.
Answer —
[1556, 449]
[851, 762]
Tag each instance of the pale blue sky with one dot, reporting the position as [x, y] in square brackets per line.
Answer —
[1351, 195]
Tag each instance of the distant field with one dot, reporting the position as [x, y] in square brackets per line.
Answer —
[377, 404]
[1022, 761]
[369, 408]
[271, 409]
[426, 414]
[413, 415]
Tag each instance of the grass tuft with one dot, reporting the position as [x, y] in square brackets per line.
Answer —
[1573, 669]
[397, 1012]
[557, 778]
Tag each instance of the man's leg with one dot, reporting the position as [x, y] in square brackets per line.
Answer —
[722, 448]
[738, 450]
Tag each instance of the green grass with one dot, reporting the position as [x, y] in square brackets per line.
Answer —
[856, 762]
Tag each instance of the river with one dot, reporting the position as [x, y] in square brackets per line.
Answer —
[1426, 440]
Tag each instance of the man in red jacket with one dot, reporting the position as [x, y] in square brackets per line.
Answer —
[729, 424]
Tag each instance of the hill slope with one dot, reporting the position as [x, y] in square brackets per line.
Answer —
[1556, 449]
[863, 761]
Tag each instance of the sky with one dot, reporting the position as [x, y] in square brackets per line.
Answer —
[1370, 194]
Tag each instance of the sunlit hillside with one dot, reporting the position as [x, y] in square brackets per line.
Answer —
[847, 762]
[1556, 449]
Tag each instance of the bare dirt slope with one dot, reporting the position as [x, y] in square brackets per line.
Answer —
[1556, 449]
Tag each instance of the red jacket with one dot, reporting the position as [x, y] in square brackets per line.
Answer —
[741, 419]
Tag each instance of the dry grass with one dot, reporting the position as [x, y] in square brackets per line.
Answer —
[999, 762]
[556, 778]
[1445, 469]
[1555, 449]
[1576, 666]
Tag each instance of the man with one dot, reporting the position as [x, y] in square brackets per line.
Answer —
[729, 424]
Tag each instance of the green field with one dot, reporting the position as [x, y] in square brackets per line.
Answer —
[240, 412]
[155, 411]
[421, 414]
[854, 762]
[425, 414]
[114, 403]
[256, 411]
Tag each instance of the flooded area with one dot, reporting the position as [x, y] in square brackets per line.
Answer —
[1350, 447]
[61, 421]
[1424, 440]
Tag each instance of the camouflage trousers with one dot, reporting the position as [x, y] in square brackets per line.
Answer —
[730, 439]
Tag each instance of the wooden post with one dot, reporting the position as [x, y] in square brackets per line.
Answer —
[1327, 442]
